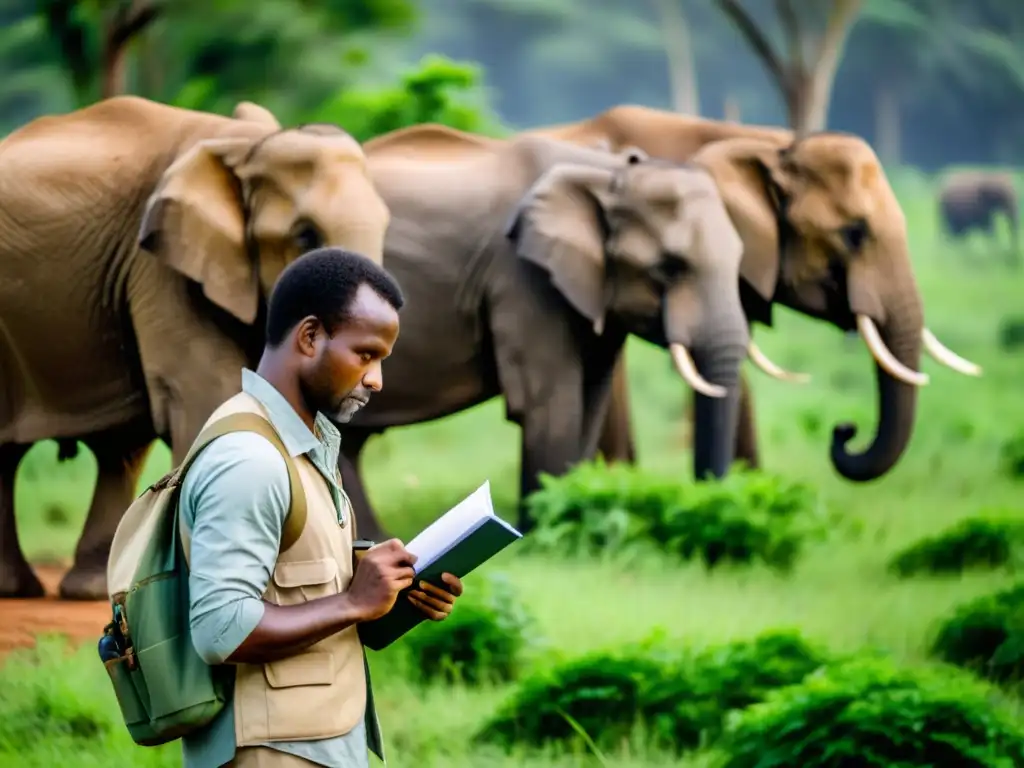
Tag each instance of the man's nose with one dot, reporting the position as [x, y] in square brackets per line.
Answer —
[373, 379]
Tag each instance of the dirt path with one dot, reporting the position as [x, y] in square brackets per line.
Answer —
[21, 620]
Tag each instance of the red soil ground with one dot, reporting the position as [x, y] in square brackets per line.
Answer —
[22, 620]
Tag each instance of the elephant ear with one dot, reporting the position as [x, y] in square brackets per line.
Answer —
[194, 222]
[254, 113]
[559, 226]
[751, 186]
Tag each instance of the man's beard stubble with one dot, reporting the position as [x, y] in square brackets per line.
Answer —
[320, 399]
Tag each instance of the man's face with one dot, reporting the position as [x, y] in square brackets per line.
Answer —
[346, 369]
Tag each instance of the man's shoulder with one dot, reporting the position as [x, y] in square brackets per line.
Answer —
[245, 462]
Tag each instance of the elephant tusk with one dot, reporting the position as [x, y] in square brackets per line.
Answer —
[946, 356]
[886, 359]
[760, 359]
[684, 364]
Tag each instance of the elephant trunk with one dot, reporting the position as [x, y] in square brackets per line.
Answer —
[718, 339]
[896, 347]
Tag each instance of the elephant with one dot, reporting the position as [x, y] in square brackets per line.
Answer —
[158, 232]
[823, 233]
[525, 264]
[970, 199]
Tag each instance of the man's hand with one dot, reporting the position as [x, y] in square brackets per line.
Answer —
[384, 571]
[435, 602]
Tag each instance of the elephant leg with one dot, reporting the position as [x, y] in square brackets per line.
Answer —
[16, 576]
[352, 481]
[746, 431]
[119, 458]
[616, 443]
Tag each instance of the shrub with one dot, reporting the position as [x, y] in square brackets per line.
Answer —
[483, 640]
[686, 709]
[986, 636]
[678, 698]
[1011, 334]
[1012, 456]
[603, 692]
[437, 90]
[981, 542]
[868, 712]
[747, 516]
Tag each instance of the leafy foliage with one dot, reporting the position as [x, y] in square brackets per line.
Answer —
[483, 640]
[1012, 455]
[678, 698]
[981, 542]
[747, 516]
[438, 90]
[986, 636]
[869, 712]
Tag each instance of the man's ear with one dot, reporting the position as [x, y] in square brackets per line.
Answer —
[194, 222]
[558, 225]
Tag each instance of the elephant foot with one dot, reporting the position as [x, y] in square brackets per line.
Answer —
[19, 581]
[84, 583]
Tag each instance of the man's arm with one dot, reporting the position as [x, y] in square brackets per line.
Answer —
[238, 495]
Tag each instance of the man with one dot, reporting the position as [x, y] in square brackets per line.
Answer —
[288, 621]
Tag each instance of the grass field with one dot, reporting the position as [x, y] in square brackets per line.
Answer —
[839, 593]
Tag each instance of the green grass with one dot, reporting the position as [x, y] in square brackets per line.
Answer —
[839, 593]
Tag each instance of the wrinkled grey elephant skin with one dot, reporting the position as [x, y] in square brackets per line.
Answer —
[526, 264]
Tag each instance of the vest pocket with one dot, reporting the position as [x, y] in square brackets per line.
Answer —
[311, 668]
[309, 578]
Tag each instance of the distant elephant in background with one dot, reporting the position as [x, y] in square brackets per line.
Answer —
[823, 234]
[970, 200]
[115, 345]
[526, 263]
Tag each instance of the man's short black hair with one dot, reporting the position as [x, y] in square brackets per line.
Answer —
[323, 283]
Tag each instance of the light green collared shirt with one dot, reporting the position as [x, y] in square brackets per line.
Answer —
[234, 500]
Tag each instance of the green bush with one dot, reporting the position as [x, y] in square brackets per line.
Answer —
[686, 709]
[678, 698]
[989, 541]
[746, 516]
[1012, 456]
[437, 90]
[868, 712]
[986, 636]
[484, 640]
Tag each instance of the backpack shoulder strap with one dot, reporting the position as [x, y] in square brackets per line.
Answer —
[248, 422]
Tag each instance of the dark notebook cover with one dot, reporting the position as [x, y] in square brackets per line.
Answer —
[480, 543]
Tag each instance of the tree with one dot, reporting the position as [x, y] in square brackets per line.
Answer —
[804, 77]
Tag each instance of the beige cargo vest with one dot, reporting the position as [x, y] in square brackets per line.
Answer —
[321, 692]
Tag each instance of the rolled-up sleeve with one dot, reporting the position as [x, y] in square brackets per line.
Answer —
[235, 497]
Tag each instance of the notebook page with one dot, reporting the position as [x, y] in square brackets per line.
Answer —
[437, 537]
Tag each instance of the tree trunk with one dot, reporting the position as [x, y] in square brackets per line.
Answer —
[682, 70]
[888, 133]
[731, 109]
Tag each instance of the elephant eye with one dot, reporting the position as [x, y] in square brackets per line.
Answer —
[854, 235]
[670, 269]
[307, 237]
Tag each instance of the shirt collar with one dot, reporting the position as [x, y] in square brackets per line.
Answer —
[295, 435]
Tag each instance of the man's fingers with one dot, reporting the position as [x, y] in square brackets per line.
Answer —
[431, 613]
[454, 582]
[437, 591]
[434, 602]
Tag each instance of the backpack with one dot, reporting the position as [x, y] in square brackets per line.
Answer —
[164, 688]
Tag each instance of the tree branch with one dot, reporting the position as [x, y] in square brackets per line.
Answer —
[756, 40]
[129, 21]
[71, 39]
[794, 34]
